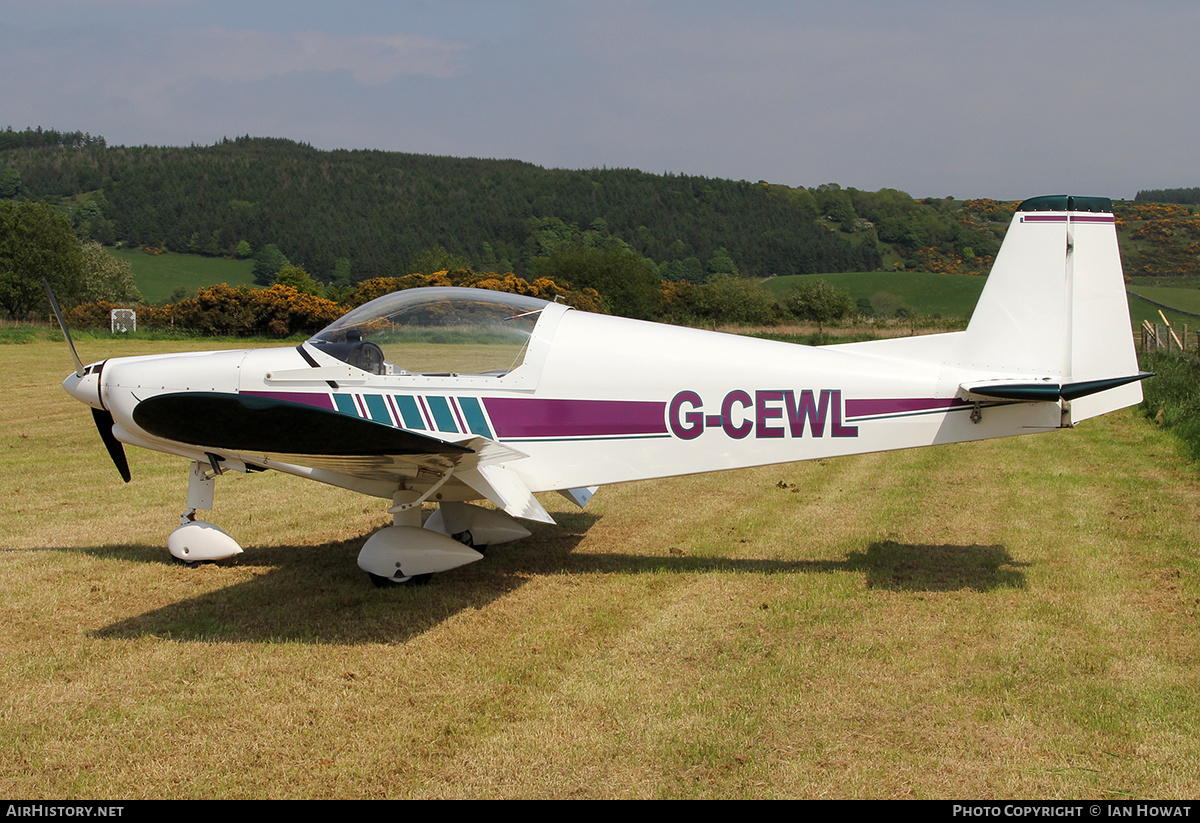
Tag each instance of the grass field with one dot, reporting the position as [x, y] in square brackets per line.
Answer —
[950, 295]
[1182, 298]
[158, 275]
[1013, 619]
[1140, 310]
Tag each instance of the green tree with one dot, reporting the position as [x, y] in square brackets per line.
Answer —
[213, 247]
[803, 200]
[628, 283]
[730, 299]
[721, 263]
[341, 272]
[10, 182]
[689, 270]
[547, 235]
[835, 203]
[436, 259]
[36, 242]
[819, 301]
[298, 279]
[89, 220]
[105, 277]
[267, 263]
[243, 251]
[85, 212]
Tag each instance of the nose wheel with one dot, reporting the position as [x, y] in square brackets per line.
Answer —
[197, 541]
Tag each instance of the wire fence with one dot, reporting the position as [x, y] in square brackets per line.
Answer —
[1167, 338]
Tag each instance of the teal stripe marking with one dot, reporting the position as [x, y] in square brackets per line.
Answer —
[442, 416]
[409, 411]
[472, 411]
[345, 404]
[377, 408]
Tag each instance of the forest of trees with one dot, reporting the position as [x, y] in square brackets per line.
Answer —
[380, 210]
[1184, 196]
[48, 138]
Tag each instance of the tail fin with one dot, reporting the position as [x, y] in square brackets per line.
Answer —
[1053, 319]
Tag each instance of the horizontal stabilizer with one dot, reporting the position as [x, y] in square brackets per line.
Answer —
[1049, 390]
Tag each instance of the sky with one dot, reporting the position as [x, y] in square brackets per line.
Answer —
[965, 99]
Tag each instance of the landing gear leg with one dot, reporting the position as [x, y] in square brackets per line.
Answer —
[196, 541]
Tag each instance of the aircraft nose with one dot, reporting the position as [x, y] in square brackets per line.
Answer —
[86, 387]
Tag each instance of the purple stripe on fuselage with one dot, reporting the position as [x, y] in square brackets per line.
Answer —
[1063, 218]
[321, 401]
[522, 417]
[870, 408]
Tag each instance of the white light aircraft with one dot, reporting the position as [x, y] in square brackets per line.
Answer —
[445, 396]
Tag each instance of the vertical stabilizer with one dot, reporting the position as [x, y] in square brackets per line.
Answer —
[1054, 308]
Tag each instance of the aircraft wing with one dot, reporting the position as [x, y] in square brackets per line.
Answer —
[269, 432]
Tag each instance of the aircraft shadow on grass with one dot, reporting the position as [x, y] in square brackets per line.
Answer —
[310, 594]
[928, 568]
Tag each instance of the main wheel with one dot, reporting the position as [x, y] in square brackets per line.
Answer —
[382, 582]
[468, 540]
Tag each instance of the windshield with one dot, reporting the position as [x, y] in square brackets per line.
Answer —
[439, 331]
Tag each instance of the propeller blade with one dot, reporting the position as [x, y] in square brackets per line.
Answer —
[116, 450]
[62, 324]
[104, 419]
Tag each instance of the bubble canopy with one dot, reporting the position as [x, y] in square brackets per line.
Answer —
[434, 331]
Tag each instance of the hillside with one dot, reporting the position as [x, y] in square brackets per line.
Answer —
[1158, 239]
[380, 210]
